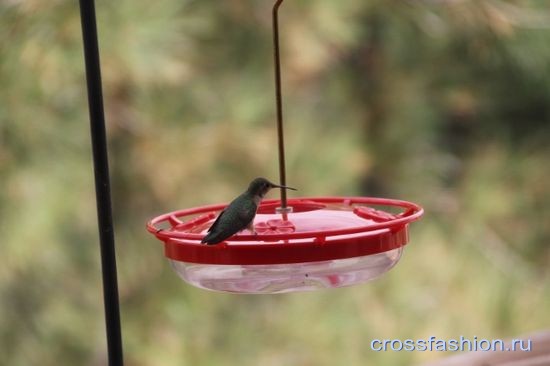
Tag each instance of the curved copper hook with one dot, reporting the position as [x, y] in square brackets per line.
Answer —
[279, 102]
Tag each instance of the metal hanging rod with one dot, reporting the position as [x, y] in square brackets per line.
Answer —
[279, 102]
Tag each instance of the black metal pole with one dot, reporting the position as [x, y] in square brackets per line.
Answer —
[102, 185]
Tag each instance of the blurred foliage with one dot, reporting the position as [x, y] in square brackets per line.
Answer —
[445, 103]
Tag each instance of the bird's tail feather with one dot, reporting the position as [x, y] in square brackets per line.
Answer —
[210, 238]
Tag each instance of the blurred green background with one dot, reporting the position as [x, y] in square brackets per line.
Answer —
[444, 103]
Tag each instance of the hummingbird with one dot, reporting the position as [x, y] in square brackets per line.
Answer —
[240, 213]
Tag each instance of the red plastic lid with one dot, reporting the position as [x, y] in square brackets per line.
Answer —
[317, 229]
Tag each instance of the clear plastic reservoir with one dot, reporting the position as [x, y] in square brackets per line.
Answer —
[280, 278]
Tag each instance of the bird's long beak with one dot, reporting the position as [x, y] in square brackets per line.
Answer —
[278, 186]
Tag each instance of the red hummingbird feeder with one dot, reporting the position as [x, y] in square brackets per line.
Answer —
[324, 242]
[300, 244]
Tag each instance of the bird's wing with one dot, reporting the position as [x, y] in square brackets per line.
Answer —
[248, 212]
[236, 217]
[213, 226]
